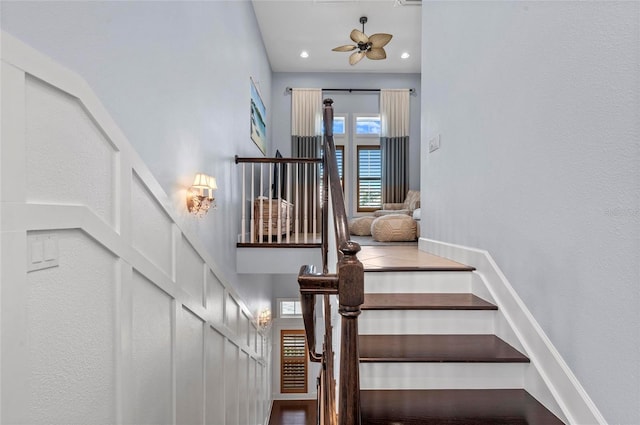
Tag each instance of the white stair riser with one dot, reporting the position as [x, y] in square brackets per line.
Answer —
[442, 375]
[427, 322]
[417, 282]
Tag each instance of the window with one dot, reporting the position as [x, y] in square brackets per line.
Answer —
[293, 361]
[290, 308]
[368, 125]
[339, 125]
[369, 178]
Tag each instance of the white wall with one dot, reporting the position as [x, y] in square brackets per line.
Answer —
[175, 77]
[537, 107]
[139, 322]
[346, 103]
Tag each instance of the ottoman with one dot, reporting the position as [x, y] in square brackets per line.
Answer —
[394, 228]
[361, 226]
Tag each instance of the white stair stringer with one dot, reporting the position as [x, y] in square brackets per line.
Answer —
[427, 322]
[549, 380]
[435, 375]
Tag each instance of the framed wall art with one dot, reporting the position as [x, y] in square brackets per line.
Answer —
[258, 119]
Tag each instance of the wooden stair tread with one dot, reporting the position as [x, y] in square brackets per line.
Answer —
[449, 407]
[438, 348]
[426, 301]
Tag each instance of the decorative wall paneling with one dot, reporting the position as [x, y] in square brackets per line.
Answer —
[135, 324]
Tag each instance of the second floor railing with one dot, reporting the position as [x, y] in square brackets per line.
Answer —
[280, 201]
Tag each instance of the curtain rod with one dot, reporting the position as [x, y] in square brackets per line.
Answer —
[411, 91]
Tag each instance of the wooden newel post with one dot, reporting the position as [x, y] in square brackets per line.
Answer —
[351, 297]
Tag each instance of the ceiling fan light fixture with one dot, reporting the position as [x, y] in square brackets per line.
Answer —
[405, 55]
[371, 47]
[304, 54]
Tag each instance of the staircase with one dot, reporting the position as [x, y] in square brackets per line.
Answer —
[429, 354]
[418, 344]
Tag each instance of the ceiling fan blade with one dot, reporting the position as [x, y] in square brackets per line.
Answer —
[376, 53]
[356, 57]
[344, 48]
[380, 40]
[359, 37]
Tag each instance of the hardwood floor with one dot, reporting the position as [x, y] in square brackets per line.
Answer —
[293, 412]
[405, 258]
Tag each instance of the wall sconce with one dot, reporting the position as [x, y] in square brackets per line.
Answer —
[264, 319]
[200, 195]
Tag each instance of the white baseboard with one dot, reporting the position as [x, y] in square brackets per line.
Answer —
[550, 380]
[266, 420]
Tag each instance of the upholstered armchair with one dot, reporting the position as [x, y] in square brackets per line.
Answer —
[411, 202]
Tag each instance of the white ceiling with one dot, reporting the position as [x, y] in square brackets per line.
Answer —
[291, 26]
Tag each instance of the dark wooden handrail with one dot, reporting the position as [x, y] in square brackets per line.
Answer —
[264, 160]
[331, 165]
[348, 284]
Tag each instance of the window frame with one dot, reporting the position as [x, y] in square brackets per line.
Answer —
[289, 316]
[355, 140]
[342, 142]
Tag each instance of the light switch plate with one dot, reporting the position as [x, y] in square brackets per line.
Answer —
[42, 251]
[434, 143]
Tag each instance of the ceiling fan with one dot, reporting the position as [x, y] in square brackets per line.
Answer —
[371, 47]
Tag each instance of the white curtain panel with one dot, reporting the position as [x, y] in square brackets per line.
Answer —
[306, 112]
[394, 112]
[306, 142]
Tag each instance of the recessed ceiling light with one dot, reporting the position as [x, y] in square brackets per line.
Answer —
[405, 55]
[304, 54]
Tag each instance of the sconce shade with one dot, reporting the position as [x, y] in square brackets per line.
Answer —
[201, 181]
[200, 195]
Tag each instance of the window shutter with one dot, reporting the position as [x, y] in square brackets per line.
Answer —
[369, 178]
[293, 361]
[340, 161]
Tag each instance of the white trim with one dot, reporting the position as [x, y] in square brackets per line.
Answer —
[550, 371]
[266, 419]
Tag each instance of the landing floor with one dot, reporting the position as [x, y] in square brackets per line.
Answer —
[405, 257]
[293, 412]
